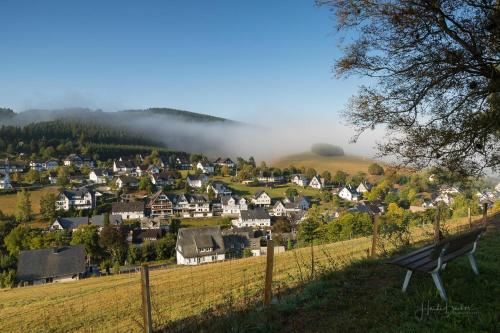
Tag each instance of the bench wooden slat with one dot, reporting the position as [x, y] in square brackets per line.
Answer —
[398, 260]
[414, 257]
[446, 259]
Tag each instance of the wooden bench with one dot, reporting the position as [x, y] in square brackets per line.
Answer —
[434, 258]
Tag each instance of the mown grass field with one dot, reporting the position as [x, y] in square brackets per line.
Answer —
[8, 201]
[349, 164]
[113, 303]
[200, 222]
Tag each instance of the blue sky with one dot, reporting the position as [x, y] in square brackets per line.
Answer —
[245, 60]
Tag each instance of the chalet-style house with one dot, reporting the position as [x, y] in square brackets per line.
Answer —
[73, 223]
[317, 182]
[100, 176]
[364, 187]
[256, 218]
[162, 179]
[123, 166]
[127, 182]
[349, 193]
[78, 161]
[128, 210]
[300, 180]
[368, 207]
[160, 205]
[5, 181]
[261, 198]
[196, 181]
[197, 246]
[60, 264]
[205, 167]
[220, 189]
[224, 162]
[238, 239]
[80, 198]
[192, 205]
[232, 205]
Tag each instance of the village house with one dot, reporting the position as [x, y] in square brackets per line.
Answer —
[349, 193]
[36, 165]
[5, 181]
[232, 205]
[300, 180]
[71, 224]
[160, 205]
[224, 162]
[192, 205]
[99, 176]
[139, 235]
[139, 170]
[448, 189]
[205, 167]
[52, 177]
[162, 179]
[123, 166]
[78, 161]
[238, 239]
[261, 198]
[197, 246]
[7, 166]
[288, 206]
[269, 178]
[128, 210]
[445, 198]
[52, 265]
[196, 181]
[51, 164]
[153, 169]
[127, 182]
[219, 188]
[364, 187]
[80, 198]
[317, 182]
[183, 164]
[256, 218]
[369, 207]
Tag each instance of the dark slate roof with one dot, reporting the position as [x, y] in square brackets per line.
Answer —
[52, 262]
[255, 214]
[76, 193]
[190, 240]
[131, 206]
[141, 235]
[70, 223]
[128, 179]
[99, 220]
[259, 193]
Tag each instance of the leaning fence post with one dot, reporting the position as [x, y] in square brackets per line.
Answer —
[469, 215]
[485, 212]
[375, 236]
[436, 224]
[146, 300]
[269, 273]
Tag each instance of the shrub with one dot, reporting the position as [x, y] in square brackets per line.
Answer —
[325, 149]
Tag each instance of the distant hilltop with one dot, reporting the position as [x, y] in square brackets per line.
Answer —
[326, 149]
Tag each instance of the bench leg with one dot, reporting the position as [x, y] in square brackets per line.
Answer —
[407, 280]
[439, 285]
[473, 264]
[444, 266]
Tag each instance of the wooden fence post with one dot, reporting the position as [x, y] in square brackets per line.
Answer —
[436, 224]
[375, 236]
[485, 213]
[269, 273]
[146, 300]
[469, 215]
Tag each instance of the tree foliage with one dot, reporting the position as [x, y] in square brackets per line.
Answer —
[435, 66]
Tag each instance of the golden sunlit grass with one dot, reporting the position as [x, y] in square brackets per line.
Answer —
[349, 164]
[8, 201]
[113, 303]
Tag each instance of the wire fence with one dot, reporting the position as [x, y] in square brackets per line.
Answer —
[184, 295]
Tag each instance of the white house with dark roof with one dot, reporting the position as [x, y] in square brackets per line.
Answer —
[124, 166]
[219, 188]
[300, 180]
[128, 210]
[224, 162]
[349, 193]
[261, 198]
[205, 167]
[232, 205]
[196, 181]
[317, 182]
[255, 218]
[364, 187]
[127, 181]
[162, 179]
[80, 198]
[99, 176]
[78, 161]
[74, 223]
[197, 246]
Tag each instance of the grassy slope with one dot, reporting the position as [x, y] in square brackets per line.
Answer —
[107, 303]
[8, 201]
[349, 164]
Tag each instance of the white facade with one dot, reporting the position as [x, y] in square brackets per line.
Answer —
[199, 260]
[64, 202]
[349, 194]
[263, 199]
[205, 167]
[317, 182]
[300, 180]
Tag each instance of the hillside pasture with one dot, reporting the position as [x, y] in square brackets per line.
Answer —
[8, 201]
[347, 163]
